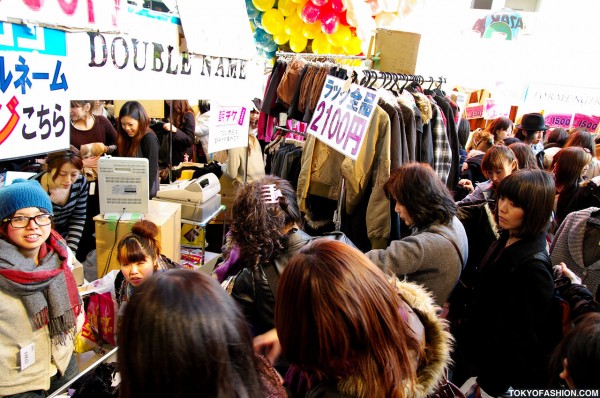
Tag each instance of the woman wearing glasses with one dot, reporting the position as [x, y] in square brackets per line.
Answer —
[40, 301]
[67, 187]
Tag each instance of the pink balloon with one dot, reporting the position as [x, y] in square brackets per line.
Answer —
[337, 6]
[319, 3]
[329, 21]
[310, 13]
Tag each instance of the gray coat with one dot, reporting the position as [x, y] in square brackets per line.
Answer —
[426, 257]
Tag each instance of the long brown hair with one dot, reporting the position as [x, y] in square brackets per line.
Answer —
[128, 146]
[337, 319]
[180, 108]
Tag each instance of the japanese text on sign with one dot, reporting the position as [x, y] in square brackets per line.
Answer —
[341, 118]
[31, 122]
[229, 129]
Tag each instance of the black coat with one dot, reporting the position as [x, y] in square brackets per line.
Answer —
[511, 312]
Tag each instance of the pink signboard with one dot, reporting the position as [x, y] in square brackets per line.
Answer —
[474, 111]
[589, 122]
[555, 120]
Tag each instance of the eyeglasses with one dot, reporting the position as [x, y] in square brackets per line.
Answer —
[23, 221]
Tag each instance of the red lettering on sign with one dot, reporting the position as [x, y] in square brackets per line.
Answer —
[68, 7]
[35, 5]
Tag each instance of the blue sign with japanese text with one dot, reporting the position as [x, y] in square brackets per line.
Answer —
[34, 105]
[342, 115]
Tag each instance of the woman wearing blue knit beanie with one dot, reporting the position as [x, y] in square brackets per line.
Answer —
[40, 301]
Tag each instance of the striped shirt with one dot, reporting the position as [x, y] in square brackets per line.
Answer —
[69, 219]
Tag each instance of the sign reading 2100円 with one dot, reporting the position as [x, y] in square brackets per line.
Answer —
[341, 117]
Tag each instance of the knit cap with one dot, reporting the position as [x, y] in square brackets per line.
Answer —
[22, 194]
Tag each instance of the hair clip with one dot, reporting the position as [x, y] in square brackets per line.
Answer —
[270, 194]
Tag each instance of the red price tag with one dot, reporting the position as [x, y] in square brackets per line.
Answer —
[559, 120]
[474, 111]
[586, 121]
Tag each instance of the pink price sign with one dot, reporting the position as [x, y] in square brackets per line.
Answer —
[586, 121]
[555, 120]
[474, 111]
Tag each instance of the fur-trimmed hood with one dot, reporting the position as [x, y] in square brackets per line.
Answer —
[438, 341]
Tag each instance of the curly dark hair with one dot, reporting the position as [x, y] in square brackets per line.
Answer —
[259, 228]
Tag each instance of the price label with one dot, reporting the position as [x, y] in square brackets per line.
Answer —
[474, 111]
[341, 118]
[562, 120]
[586, 121]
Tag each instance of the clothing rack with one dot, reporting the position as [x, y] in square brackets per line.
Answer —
[317, 56]
[286, 130]
[372, 76]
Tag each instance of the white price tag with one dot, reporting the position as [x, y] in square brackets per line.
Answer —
[27, 354]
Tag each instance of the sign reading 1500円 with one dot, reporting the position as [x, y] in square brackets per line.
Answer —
[342, 117]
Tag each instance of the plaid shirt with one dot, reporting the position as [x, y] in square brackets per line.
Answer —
[442, 154]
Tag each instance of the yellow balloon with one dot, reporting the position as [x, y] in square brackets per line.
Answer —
[353, 46]
[310, 31]
[287, 7]
[299, 7]
[337, 50]
[299, 1]
[292, 25]
[272, 21]
[281, 38]
[263, 5]
[298, 43]
[341, 36]
[320, 44]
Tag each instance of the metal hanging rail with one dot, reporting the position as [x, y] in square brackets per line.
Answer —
[315, 56]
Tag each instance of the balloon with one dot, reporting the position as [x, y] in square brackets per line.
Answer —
[287, 7]
[281, 38]
[298, 43]
[337, 50]
[299, 1]
[258, 21]
[319, 3]
[262, 38]
[329, 21]
[271, 46]
[311, 30]
[310, 12]
[263, 5]
[252, 11]
[343, 18]
[352, 46]
[292, 24]
[272, 21]
[337, 6]
[320, 44]
[340, 36]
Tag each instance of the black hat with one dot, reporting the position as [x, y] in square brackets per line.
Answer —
[532, 122]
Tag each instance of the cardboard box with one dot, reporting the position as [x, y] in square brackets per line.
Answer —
[398, 51]
[167, 216]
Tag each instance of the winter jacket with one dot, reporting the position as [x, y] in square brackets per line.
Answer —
[421, 315]
[427, 257]
[576, 244]
[252, 291]
[510, 316]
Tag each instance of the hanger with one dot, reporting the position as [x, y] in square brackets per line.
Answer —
[374, 74]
